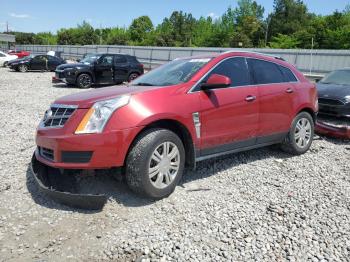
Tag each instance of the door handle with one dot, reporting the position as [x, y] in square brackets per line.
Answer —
[289, 90]
[250, 98]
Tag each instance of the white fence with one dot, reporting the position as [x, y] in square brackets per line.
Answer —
[307, 61]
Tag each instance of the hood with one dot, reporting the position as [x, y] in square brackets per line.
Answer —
[75, 65]
[88, 98]
[333, 90]
[19, 60]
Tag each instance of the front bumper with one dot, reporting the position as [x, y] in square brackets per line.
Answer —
[63, 187]
[63, 76]
[333, 130]
[84, 151]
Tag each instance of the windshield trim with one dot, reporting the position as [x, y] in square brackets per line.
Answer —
[179, 83]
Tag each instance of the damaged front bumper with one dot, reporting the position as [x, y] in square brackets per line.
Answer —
[333, 130]
[62, 187]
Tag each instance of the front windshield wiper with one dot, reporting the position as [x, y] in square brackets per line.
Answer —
[143, 84]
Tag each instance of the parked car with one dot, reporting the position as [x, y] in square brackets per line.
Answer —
[19, 54]
[36, 62]
[185, 111]
[334, 93]
[100, 69]
[5, 58]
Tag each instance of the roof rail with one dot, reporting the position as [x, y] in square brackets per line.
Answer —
[253, 52]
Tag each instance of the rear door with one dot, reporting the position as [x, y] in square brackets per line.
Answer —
[53, 62]
[229, 116]
[121, 68]
[104, 70]
[275, 100]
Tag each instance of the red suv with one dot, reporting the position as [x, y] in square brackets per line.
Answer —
[185, 111]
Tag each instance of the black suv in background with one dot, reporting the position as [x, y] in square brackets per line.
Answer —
[100, 69]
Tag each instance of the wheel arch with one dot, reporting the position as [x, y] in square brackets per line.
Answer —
[180, 130]
[308, 110]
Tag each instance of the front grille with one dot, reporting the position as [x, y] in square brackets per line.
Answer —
[57, 115]
[46, 153]
[329, 101]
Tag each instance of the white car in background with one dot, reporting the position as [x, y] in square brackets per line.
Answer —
[5, 58]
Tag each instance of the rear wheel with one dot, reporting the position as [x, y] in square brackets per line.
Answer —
[300, 136]
[155, 163]
[5, 64]
[23, 68]
[133, 76]
[84, 81]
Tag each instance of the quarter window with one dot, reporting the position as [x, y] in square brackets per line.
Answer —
[234, 68]
[265, 72]
[288, 74]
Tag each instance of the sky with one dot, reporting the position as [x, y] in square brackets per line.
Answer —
[39, 15]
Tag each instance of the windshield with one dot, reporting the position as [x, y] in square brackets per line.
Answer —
[90, 59]
[339, 77]
[172, 73]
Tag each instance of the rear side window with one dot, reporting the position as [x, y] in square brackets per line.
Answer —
[236, 69]
[265, 72]
[133, 59]
[119, 59]
[288, 74]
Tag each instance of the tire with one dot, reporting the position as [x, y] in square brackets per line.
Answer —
[5, 64]
[84, 81]
[133, 76]
[299, 140]
[142, 158]
[23, 68]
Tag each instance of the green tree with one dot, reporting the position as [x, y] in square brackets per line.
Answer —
[139, 28]
[284, 42]
[288, 17]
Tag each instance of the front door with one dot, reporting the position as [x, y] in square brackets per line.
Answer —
[229, 116]
[104, 70]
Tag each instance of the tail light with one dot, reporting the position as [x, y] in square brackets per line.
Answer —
[141, 65]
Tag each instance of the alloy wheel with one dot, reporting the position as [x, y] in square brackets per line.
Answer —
[133, 77]
[164, 165]
[302, 133]
[85, 81]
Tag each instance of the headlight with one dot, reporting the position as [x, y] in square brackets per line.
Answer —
[98, 115]
[347, 99]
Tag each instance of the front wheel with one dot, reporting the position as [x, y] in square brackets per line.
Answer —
[23, 68]
[5, 64]
[84, 81]
[155, 163]
[300, 136]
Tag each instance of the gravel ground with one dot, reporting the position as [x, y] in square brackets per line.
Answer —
[258, 205]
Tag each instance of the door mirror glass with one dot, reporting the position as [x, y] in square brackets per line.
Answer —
[216, 81]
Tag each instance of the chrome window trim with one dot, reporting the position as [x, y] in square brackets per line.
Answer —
[245, 57]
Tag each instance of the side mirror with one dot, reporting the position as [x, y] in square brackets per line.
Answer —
[216, 81]
[317, 80]
[78, 60]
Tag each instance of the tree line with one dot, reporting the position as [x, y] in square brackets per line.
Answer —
[289, 25]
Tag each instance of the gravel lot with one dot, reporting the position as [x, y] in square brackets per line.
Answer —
[257, 205]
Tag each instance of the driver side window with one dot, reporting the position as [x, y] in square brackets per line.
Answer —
[106, 60]
[236, 69]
